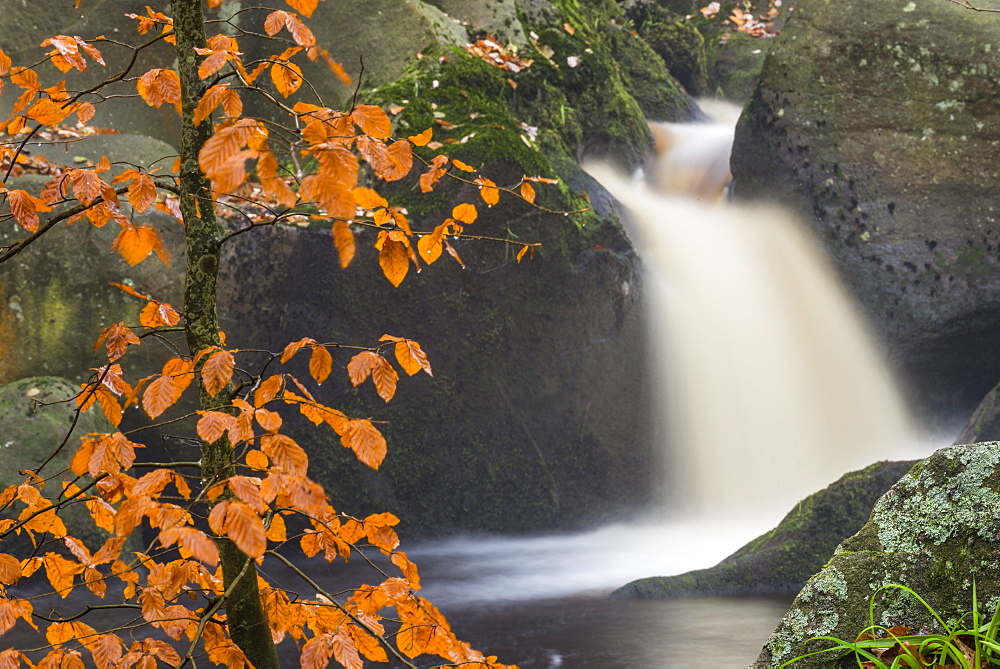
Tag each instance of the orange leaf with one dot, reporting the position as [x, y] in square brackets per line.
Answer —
[411, 357]
[273, 185]
[465, 212]
[159, 86]
[528, 192]
[11, 610]
[294, 347]
[394, 260]
[372, 121]
[248, 490]
[368, 198]
[84, 112]
[429, 246]
[10, 569]
[142, 192]
[49, 112]
[25, 208]
[245, 528]
[385, 379]
[320, 363]
[87, 185]
[117, 339]
[462, 166]
[287, 77]
[60, 572]
[434, 172]
[256, 459]
[422, 138]
[220, 94]
[213, 425]
[284, 453]
[134, 244]
[155, 314]
[217, 371]
[361, 365]
[367, 442]
[306, 7]
[343, 241]
[276, 530]
[488, 190]
[268, 390]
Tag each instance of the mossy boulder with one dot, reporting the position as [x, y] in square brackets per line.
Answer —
[677, 41]
[35, 419]
[882, 131]
[782, 560]
[935, 531]
[734, 65]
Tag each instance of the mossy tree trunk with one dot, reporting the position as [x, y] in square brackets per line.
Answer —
[247, 622]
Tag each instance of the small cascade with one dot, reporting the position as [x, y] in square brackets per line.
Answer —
[771, 385]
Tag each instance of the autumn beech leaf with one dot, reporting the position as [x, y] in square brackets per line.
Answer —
[59, 633]
[116, 340]
[372, 121]
[463, 166]
[160, 86]
[393, 257]
[156, 314]
[11, 610]
[488, 191]
[367, 442]
[142, 192]
[361, 365]
[465, 212]
[287, 77]
[217, 371]
[277, 20]
[284, 453]
[273, 185]
[409, 355]
[343, 241]
[134, 244]
[422, 138]
[87, 185]
[10, 569]
[48, 112]
[220, 94]
[306, 7]
[5, 63]
[366, 198]
[385, 379]
[527, 192]
[222, 157]
[25, 208]
[433, 174]
[389, 162]
[268, 390]
[320, 364]
[294, 347]
[160, 395]
[256, 459]
[243, 526]
[429, 246]
[60, 572]
[107, 651]
[213, 425]
[270, 421]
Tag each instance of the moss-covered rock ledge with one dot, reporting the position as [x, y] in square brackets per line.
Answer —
[936, 531]
[781, 560]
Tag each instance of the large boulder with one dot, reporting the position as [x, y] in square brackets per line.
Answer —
[879, 123]
[782, 560]
[984, 424]
[935, 532]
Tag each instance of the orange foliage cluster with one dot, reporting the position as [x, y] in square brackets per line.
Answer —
[263, 498]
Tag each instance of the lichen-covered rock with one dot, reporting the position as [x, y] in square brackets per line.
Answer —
[935, 531]
[781, 560]
[883, 131]
[34, 420]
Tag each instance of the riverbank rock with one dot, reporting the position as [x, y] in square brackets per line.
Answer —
[935, 532]
[34, 420]
[882, 130]
[782, 560]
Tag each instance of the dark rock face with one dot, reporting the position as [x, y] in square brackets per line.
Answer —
[782, 560]
[935, 531]
[883, 130]
[984, 425]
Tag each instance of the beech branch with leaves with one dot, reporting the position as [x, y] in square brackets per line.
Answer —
[248, 498]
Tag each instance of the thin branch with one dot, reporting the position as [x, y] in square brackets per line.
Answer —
[968, 5]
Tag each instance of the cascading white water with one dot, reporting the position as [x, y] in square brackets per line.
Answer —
[772, 387]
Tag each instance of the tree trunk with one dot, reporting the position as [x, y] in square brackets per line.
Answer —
[245, 615]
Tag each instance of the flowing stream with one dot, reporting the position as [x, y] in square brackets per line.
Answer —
[771, 388]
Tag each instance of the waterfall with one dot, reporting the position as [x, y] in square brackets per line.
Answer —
[771, 385]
